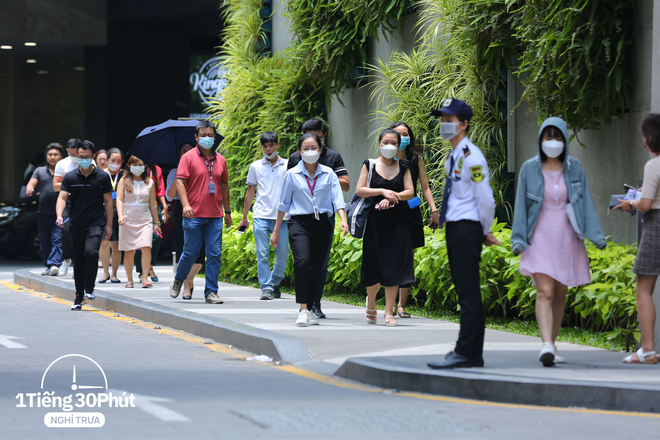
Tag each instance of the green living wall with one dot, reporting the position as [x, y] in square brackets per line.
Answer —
[571, 56]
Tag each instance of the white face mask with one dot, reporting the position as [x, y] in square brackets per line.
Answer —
[74, 160]
[272, 156]
[448, 130]
[389, 151]
[310, 156]
[552, 148]
[113, 166]
[137, 170]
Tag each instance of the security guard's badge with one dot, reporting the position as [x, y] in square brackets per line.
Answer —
[447, 102]
[458, 170]
[477, 173]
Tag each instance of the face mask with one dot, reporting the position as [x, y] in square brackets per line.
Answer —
[84, 163]
[405, 141]
[552, 148]
[137, 170]
[310, 156]
[448, 130]
[113, 166]
[206, 142]
[272, 156]
[74, 159]
[388, 151]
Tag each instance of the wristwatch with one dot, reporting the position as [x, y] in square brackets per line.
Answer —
[228, 212]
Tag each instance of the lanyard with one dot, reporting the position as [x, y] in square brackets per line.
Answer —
[114, 182]
[210, 168]
[311, 187]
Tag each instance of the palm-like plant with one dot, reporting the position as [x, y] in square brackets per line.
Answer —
[409, 85]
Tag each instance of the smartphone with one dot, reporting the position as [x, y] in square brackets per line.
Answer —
[242, 229]
[628, 187]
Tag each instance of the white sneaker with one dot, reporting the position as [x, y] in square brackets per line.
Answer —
[303, 319]
[547, 355]
[64, 268]
[559, 359]
[54, 270]
[313, 319]
[90, 296]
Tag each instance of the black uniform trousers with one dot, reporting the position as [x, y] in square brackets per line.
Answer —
[66, 234]
[86, 241]
[465, 239]
[309, 240]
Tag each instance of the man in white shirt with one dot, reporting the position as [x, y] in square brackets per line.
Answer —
[468, 208]
[266, 176]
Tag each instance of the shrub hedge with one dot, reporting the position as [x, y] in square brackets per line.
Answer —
[606, 305]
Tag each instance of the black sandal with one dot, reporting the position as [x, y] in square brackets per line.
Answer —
[188, 297]
[404, 314]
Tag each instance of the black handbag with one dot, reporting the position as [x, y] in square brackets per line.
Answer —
[358, 208]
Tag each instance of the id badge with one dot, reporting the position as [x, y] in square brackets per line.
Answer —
[211, 188]
[316, 212]
[114, 195]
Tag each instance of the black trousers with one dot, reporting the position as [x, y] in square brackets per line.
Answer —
[465, 239]
[309, 240]
[86, 241]
[66, 234]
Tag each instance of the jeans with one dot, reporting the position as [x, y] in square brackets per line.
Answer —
[50, 237]
[324, 270]
[263, 228]
[86, 241]
[195, 232]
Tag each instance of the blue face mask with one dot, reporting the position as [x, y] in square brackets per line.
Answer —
[405, 141]
[206, 142]
[85, 163]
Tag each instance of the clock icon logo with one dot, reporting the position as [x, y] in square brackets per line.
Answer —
[88, 364]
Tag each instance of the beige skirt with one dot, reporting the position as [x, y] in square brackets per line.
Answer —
[137, 232]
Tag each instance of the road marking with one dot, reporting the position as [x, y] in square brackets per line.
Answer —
[329, 380]
[5, 340]
[148, 405]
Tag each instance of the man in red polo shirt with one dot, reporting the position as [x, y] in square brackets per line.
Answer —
[203, 190]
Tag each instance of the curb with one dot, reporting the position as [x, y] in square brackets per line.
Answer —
[388, 373]
[246, 338]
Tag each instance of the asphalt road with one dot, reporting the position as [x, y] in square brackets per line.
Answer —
[183, 388]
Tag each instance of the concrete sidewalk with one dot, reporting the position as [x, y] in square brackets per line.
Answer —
[345, 345]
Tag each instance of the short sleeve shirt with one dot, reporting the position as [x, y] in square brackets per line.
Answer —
[330, 158]
[268, 179]
[47, 196]
[65, 165]
[651, 185]
[86, 196]
[193, 168]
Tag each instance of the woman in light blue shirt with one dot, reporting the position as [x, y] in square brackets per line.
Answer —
[311, 194]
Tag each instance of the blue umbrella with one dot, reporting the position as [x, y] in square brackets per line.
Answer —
[160, 143]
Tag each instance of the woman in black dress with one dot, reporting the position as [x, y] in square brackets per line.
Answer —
[387, 257]
[408, 152]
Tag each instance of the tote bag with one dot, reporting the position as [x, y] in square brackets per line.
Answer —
[358, 209]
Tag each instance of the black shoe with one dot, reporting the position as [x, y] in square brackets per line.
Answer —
[316, 309]
[453, 360]
[276, 292]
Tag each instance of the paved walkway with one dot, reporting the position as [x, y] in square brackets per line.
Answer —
[414, 342]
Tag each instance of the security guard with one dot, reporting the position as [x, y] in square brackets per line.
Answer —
[468, 208]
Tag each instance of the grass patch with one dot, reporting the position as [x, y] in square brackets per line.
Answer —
[521, 327]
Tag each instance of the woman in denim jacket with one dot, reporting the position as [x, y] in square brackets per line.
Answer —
[553, 214]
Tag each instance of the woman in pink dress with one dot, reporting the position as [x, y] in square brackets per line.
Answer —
[136, 207]
[553, 213]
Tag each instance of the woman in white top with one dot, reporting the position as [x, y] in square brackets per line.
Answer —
[136, 207]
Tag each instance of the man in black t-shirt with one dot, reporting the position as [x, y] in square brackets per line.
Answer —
[90, 194]
[332, 159]
[50, 236]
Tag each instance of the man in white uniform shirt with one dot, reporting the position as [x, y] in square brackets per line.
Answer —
[266, 176]
[468, 209]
